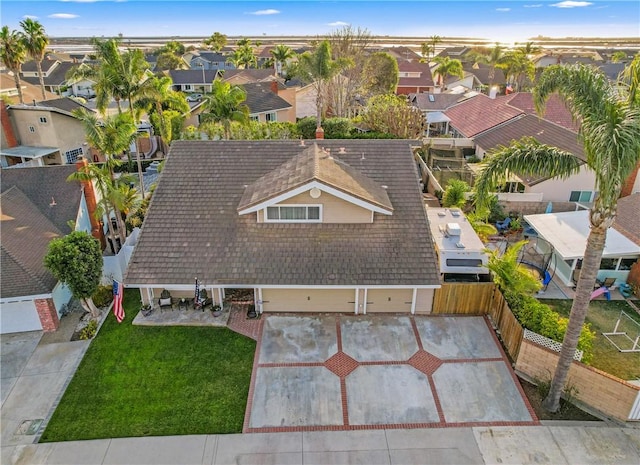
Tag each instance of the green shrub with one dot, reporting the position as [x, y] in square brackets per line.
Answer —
[103, 296]
[337, 128]
[307, 127]
[89, 331]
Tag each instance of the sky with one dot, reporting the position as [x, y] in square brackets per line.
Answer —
[504, 21]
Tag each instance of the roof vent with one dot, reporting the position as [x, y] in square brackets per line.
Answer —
[384, 186]
[455, 213]
[460, 245]
[302, 143]
[342, 150]
[362, 157]
[453, 229]
[442, 214]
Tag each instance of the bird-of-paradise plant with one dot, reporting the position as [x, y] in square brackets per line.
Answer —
[610, 133]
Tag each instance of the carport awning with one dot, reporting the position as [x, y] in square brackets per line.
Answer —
[25, 151]
[437, 117]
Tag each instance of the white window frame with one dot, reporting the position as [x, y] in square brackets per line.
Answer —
[73, 152]
[591, 196]
[271, 117]
[266, 218]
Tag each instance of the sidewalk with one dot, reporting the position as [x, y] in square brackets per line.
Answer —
[558, 445]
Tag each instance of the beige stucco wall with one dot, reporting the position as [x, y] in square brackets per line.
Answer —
[559, 190]
[598, 389]
[334, 209]
[424, 301]
[306, 102]
[60, 131]
[389, 300]
[308, 300]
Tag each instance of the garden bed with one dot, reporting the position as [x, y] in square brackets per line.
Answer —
[567, 411]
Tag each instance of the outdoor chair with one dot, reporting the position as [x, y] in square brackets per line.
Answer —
[503, 226]
[608, 282]
[205, 301]
[165, 300]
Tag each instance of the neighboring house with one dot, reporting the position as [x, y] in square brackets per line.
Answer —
[210, 61]
[192, 80]
[30, 92]
[460, 85]
[555, 109]
[37, 205]
[321, 226]
[414, 77]
[457, 53]
[478, 114]
[567, 233]
[266, 105]
[402, 53]
[579, 187]
[246, 76]
[482, 71]
[461, 253]
[558, 58]
[306, 101]
[54, 73]
[46, 133]
[433, 107]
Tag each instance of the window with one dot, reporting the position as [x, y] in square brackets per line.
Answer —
[625, 263]
[270, 117]
[254, 118]
[294, 213]
[580, 196]
[608, 263]
[32, 129]
[43, 120]
[72, 155]
[464, 262]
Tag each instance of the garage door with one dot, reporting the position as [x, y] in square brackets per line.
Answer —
[21, 316]
[389, 300]
[308, 300]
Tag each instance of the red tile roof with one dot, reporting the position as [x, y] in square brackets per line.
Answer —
[425, 79]
[479, 114]
[627, 220]
[555, 109]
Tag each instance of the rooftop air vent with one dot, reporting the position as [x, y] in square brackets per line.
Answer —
[455, 213]
[460, 245]
[442, 214]
[453, 229]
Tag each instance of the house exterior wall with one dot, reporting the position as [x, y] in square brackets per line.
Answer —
[389, 300]
[424, 301]
[289, 95]
[19, 316]
[308, 300]
[287, 115]
[559, 190]
[60, 131]
[306, 102]
[48, 314]
[334, 209]
[61, 296]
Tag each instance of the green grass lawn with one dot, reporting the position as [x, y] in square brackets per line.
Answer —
[153, 381]
[603, 316]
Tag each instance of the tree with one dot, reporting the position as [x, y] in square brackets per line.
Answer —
[281, 53]
[35, 41]
[518, 67]
[610, 133]
[454, 194]
[381, 74]
[618, 56]
[13, 54]
[434, 40]
[216, 42]
[244, 55]
[318, 67]
[529, 48]
[509, 275]
[447, 67]
[492, 57]
[392, 115]
[426, 50]
[76, 260]
[224, 105]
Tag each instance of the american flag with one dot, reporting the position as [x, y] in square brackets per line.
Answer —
[118, 309]
[196, 300]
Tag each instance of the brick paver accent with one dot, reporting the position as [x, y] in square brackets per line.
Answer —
[239, 322]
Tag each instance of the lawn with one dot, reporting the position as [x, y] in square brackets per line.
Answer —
[603, 316]
[155, 381]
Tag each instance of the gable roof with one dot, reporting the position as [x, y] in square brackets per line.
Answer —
[260, 98]
[57, 77]
[555, 110]
[627, 220]
[26, 233]
[480, 113]
[425, 79]
[192, 76]
[31, 66]
[435, 102]
[542, 130]
[314, 164]
[30, 92]
[482, 70]
[192, 227]
[42, 184]
[63, 106]
[249, 75]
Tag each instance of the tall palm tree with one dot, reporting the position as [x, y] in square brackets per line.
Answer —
[216, 42]
[281, 53]
[492, 57]
[318, 67]
[224, 105]
[610, 133]
[517, 66]
[13, 53]
[35, 41]
[447, 67]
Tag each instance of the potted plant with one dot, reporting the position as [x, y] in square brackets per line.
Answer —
[216, 310]
[146, 309]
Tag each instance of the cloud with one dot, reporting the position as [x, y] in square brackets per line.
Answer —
[503, 9]
[63, 16]
[270, 11]
[338, 24]
[571, 4]
[29, 17]
[537, 5]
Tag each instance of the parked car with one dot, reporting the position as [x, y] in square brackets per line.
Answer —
[194, 97]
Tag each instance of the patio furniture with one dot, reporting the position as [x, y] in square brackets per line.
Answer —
[625, 290]
[165, 301]
[608, 282]
[183, 303]
[503, 226]
[204, 301]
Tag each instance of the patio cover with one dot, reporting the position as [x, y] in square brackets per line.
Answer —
[25, 151]
[437, 117]
[568, 231]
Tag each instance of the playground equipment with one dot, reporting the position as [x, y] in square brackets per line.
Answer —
[601, 290]
[538, 255]
[621, 330]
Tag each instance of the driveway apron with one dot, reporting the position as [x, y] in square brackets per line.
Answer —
[347, 372]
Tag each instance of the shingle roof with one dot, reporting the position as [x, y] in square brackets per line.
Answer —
[314, 164]
[32, 66]
[192, 227]
[251, 74]
[261, 98]
[192, 76]
[63, 105]
[425, 79]
[26, 233]
[555, 110]
[480, 113]
[56, 78]
[627, 220]
[542, 130]
[481, 71]
[435, 102]
[44, 183]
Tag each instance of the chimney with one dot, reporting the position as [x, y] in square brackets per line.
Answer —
[319, 133]
[90, 198]
[274, 87]
[7, 127]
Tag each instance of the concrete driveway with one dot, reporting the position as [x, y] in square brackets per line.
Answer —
[342, 372]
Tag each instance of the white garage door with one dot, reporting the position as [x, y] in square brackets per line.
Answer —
[21, 316]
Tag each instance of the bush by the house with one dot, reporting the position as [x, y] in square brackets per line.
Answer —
[103, 296]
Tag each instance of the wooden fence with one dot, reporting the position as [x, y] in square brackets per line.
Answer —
[509, 329]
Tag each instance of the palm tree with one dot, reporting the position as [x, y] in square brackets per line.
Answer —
[447, 67]
[281, 53]
[493, 57]
[517, 67]
[13, 54]
[35, 41]
[319, 68]
[529, 48]
[425, 50]
[224, 105]
[610, 133]
[216, 42]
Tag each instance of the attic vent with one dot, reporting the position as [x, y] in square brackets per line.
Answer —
[342, 150]
[432, 98]
[362, 157]
[460, 245]
[455, 213]
[302, 143]
[453, 229]
[442, 214]
[384, 186]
